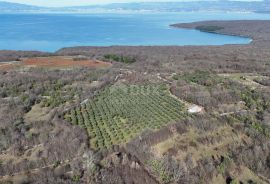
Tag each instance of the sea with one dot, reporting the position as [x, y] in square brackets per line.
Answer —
[50, 32]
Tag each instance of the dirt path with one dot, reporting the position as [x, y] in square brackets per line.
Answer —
[54, 62]
[233, 112]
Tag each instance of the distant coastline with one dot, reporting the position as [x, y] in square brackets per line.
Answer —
[256, 30]
[196, 25]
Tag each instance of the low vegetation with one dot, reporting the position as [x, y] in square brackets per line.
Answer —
[209, 28]
[204, 78]
[159, 168]
[129, 124]
[120, 58]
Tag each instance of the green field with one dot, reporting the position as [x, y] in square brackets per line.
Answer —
[120, 113]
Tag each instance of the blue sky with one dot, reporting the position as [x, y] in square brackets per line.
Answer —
[87, 2]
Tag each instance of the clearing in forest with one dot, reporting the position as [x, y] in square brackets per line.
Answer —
[5, 66]
[54, 62]
[63, 61]
[122, 112]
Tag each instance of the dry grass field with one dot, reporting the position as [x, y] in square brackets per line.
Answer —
[54, 62]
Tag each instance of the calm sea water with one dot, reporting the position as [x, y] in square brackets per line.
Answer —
[49, 32]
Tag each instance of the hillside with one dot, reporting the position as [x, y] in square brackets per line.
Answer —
[151, 115]
[192, 6]
[236, 6]
[16, 7]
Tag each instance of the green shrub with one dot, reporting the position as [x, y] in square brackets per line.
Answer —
[234, 181]
[158, 169]
[262, 129]
[254, 100]
[120, 58]
[56, 163]
[76, 178]
[28, 135]
[209, 28]
[204, 78]
[223, 165]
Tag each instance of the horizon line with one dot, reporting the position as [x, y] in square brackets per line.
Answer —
[135, 1]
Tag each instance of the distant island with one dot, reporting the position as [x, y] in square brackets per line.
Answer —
[228, 6]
